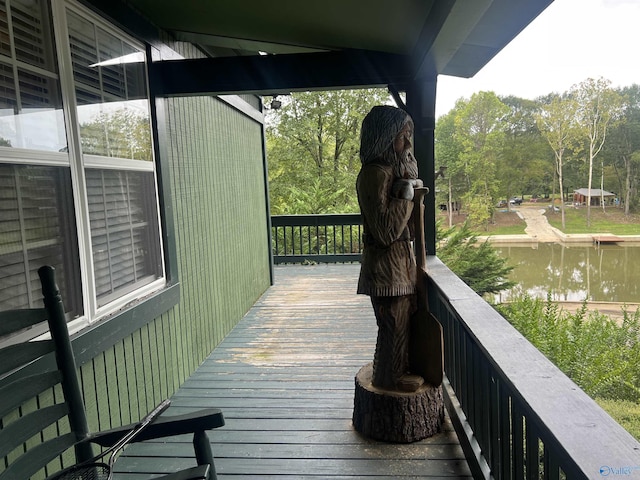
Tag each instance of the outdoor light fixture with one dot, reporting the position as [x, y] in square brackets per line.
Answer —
[275, 103]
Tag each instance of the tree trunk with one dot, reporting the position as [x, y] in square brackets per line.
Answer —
[602, 187]
[561, 186]
[394, 416]
[589, 185]
[553, 190]
[450, 207]
[627, 199]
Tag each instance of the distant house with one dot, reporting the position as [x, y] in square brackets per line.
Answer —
[581, 195]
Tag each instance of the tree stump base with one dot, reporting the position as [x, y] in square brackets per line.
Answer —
[394, 416]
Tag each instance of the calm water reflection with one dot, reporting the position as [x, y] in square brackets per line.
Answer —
[609, 273]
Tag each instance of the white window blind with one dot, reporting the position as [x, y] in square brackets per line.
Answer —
[125, 246]
[36, 225]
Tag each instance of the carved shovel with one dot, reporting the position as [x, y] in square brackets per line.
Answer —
[426, 352]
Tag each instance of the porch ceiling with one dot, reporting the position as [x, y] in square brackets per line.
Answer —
[450, 37]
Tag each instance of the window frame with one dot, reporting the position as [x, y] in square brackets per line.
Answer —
[92, 311]
[100, 327]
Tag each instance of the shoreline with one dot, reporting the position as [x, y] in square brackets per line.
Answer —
[613, 310]
[561, 238]
[539, 230]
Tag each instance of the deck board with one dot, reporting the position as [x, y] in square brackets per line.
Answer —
[284, 378]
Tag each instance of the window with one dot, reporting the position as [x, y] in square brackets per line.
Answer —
[114, 125]
[77, 176]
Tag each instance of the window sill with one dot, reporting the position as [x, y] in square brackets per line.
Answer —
[102, 335]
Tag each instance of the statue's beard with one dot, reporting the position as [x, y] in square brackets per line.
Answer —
[404, 164]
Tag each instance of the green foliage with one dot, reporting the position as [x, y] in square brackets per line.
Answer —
[556, 121]
[493, 148]
[524, 164]
[469, 142]
[598, 353]
[624, 412]
[477, 264]
[480, 207]
[622, 148]
[313, 144]
[503, 147]
[598, 107]
[315, 197]
[481, 134]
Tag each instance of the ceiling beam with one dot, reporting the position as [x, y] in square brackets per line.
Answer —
[240, 44]
[274, 74]
[448, 26]
[422, 52]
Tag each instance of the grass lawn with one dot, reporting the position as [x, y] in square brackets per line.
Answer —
[612, 221]
[498, 229]
[504, 223]
[625, 413]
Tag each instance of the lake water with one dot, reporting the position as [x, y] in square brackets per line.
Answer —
[609, 273]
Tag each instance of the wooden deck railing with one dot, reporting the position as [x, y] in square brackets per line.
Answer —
[517, 415]
[316, 238]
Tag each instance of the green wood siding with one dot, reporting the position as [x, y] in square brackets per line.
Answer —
[219, 213]
[220, 218]
[220, 222]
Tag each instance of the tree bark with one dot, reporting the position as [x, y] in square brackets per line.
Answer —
[394, 416]
[627, 197]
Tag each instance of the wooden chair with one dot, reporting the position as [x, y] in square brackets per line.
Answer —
[21, 462]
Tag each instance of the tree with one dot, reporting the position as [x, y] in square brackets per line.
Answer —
[623, 145]
[523, 165]
[448, 154]
[597, 104]
[477, 264]
[556, 122]
[479, 129]
[312, 148]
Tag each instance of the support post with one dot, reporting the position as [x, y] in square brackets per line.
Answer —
[421, 104]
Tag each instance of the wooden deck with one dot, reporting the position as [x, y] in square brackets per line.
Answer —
[606, 239]
[284, 379]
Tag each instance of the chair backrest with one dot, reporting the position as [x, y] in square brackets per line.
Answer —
[33, 429]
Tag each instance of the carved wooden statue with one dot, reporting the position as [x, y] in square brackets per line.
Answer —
[385, 193]
[389, 388]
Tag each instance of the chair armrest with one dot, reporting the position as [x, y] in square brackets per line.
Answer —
[164, 426]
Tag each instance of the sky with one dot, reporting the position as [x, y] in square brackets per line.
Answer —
[569, 42]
